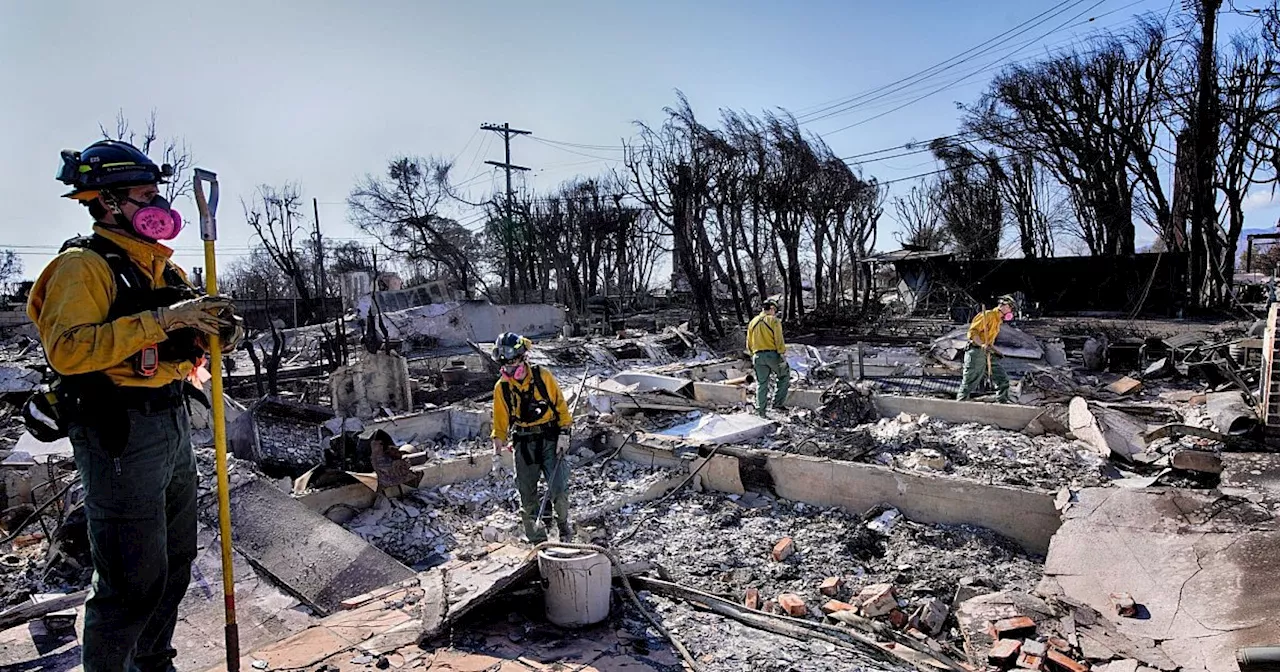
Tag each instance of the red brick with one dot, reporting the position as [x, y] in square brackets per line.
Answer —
[1014, 628]
[877, 600]
[1004, 651]
[831, 585]
[1030, 662]
[1060, 644]
[792, 604]
[836, 605]
[1124, 604]
[771, 607]
[752, 598]
[898, 618]
[1060, 661]
[783, 549]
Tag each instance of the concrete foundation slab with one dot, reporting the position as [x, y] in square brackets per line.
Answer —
[1201, 565]
[317, 560]
[1005, 416]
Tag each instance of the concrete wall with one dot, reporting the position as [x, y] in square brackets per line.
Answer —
[1004, 416]
[1027, 517]
[374, 382]
[454, 423]
[453, 324]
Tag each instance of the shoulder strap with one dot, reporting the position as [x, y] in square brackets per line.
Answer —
[507, 397]
[539, 385]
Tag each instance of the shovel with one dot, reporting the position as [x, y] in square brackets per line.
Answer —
[209, 233]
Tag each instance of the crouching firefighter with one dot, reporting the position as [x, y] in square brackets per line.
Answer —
[529, 408]
[123, 329]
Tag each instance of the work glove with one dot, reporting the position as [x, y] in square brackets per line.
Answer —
[562, 445]
[202, 313]
[231, 337]
[498, 445]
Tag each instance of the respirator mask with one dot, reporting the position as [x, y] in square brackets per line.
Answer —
[154, 220]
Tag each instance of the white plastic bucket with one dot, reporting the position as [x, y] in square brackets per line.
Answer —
[577, 590]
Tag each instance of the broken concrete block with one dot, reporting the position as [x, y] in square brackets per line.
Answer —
[1034, 648]
[835, 606]
[752, 598]
[1060, 661]
[1004, 652]
[898, 618]
[783, 549]
[831, 585]
[1125, 386]
[1027, 661]
[931, 616]
[1202, 461]
[792, 604]
[877, 600]
[1013, 628]
[927, 458]
[1124, 604]
[1107, 431]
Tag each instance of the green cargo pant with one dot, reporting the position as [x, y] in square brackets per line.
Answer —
[535, 456]
[140, 499]
[771, 364]
[975, 367]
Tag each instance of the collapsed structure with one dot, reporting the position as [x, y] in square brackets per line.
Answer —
[1120, 515]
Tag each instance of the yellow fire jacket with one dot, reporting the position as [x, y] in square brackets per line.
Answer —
[764, 334]
[69, 304]
[986, 327]
[503, 415]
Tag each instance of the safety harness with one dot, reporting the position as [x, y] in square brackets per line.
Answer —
[525, 407]
[92, 398]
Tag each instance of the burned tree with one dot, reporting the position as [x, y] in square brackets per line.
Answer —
[1091, 119]
[402, 210]
[276, 217]
[1029, 203]
[173, 151]
[921, 218]
[970, 200]
[670, 171]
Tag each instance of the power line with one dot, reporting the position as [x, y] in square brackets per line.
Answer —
[950, 84]
[849, 103]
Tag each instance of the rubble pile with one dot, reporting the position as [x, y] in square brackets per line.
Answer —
[737, 545]
[429, 526]
[984, 453]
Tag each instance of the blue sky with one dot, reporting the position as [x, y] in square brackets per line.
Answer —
[322, 92]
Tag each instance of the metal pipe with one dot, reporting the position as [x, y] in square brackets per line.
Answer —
[1258, 658]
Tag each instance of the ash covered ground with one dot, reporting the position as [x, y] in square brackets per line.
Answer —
[722, 544]
[430, 526]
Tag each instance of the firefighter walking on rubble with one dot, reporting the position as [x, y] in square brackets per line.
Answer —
[980, 356]
[768, 356]
[123, 328]
[532, 419]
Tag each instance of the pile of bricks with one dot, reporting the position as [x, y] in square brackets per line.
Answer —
[1018, 646]
[923, 619]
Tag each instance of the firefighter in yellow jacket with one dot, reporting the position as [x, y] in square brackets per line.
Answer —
[123, 328]
[531, 418]
[980, 357]
[768, 356]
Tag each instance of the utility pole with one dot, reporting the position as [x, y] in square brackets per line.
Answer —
[508, 229]
[320, 279]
